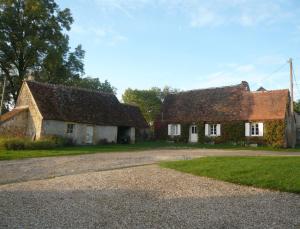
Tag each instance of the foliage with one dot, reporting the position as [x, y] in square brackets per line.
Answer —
[160, 130]
[233, 132]
[33, 40]
[149, 101]
[274, 133]
[146, 100]
[185, 133]
[162, 93]
[201, 132]
[297, 106]
[93, 84]
[279, 173]
[47, 142]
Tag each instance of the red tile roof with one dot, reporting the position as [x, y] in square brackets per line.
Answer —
[229, 103]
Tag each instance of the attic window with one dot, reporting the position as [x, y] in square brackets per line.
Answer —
[70, 128]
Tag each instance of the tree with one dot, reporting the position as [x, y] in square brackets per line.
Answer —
[297, 106]
[33, 40]
[94, 84]
[149, 101]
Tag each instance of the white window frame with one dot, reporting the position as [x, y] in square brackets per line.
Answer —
[174, 129]
[213, 130]
[254, 129]
[70, 128]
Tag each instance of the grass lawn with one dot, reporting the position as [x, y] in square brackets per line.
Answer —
[76, 150]
[277, 173]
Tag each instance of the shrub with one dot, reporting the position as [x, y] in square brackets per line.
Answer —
[14, 144]
[102, 142]
[46, 142]
[40, 145]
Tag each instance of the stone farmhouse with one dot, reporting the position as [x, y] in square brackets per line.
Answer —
[86, 116]
[232, 113]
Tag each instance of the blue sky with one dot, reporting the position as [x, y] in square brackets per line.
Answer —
[188, 44]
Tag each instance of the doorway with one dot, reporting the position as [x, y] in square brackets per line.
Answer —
[89, 135]
[193, 133]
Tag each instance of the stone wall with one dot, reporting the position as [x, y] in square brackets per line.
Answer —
[16, 126]
[34, 122]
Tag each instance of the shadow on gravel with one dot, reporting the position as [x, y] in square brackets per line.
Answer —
[121, 208]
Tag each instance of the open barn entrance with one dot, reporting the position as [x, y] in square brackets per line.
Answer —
[124, 135]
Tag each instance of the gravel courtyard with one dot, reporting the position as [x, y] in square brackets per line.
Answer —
[143, 197]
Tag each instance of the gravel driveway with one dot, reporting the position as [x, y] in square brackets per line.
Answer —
[49, 167]
[143, 197]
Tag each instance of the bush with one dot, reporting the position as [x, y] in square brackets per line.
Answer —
[103, 142]
[14, 144]
[46, 142]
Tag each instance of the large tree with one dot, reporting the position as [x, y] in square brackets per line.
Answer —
[33, 40]
[94, 84]
[149, 101]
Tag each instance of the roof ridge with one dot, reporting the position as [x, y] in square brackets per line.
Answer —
[209, 88]
[69, 87]
[268, 91]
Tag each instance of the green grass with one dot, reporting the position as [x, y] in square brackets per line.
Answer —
[277, 173]
[76, 150]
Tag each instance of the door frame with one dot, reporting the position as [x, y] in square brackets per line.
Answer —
[193, 137]
[87, 140]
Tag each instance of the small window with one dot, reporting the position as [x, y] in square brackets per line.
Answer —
[70, 128]
[213, 130]
[174, 129]
[194, 130]
[254, 129]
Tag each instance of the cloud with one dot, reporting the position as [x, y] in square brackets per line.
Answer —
[99, 35]
[202, 13]
[257, 74]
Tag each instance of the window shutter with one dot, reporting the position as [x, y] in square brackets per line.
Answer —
[206, 130]
[169, 129]
[179, 129]
[218, 129]
[247, 129]
[261, 129]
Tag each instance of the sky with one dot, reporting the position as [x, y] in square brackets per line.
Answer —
[188, 44]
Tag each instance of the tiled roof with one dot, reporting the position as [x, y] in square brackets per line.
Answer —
[57, 102]
[7, 116]
[225, 104]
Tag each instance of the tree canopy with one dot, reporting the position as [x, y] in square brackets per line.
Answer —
[149, 101]
[34, 41]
